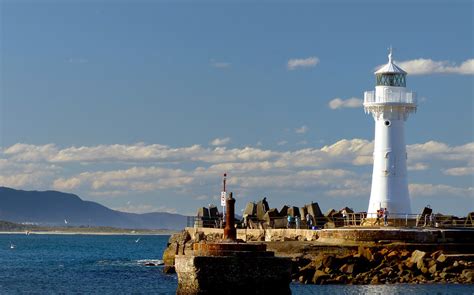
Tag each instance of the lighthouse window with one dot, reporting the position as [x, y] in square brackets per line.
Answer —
[387, 123]
[386, 79]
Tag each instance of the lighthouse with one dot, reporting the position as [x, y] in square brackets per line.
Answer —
[390, 105]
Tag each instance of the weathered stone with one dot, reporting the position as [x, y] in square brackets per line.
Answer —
[432, 269]
[441, 258]
[366, 253]
[436, 254]
[384, 251]
[375, 280]
[284, 211]
[213, 212]
[347, 268]
[169, 269]
[417, 258]
[393, 255]
[293, 211]
[202, 212]
[468, 274]
[328, 261]
[260, 210]
[213, 274]
[319, 275]
[404, 253]
[250, 209]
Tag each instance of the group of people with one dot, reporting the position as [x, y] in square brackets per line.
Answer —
[297, 221]
[382, 213]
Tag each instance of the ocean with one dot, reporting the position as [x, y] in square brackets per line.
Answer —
[90, 264]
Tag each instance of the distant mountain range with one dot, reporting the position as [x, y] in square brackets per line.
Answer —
[53, 208]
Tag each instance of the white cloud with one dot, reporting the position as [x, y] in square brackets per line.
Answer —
[302, 130]
[308, 62]
[352, 102]
[282, 142]
[220, 141]
[459, 171]
[220, 64]
[417, 166]
[441, 190]
[333, 170]
[423, 66]
[143, 208]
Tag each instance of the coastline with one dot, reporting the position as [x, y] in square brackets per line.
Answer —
[164, 233]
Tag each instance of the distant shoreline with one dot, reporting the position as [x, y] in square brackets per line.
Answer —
[164, 233]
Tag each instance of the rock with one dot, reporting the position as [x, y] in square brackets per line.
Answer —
[432, 269]
[404, 253]
[319, 275]
[436, 254]
[328, 261]
[199, 236]
[468, 274]
[366, 253]
[384, 251]
[417, 258]
[375, 280]
[169, 269]
[424, 270]
[441, 258]
[347, 268]
[393, 255]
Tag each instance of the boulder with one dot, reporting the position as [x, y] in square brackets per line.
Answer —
[366, 253]
[441, 258]
[294, 211]
[202, 212]
[284, 211]
[250, 209]
[319, 276]
[260, 210]
[347, 268]
[393, 255]
[432, 269]
[468, 274]
[417, 258]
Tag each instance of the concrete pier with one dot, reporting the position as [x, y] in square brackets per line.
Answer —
[231, 266]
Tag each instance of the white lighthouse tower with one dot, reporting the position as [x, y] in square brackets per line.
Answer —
[390, 104]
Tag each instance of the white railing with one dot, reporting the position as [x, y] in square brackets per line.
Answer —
[390, 97]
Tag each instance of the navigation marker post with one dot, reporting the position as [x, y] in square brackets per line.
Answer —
[223, 196]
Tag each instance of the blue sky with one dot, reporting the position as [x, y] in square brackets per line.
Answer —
[120, 101]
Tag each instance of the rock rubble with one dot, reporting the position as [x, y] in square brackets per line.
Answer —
[385, 266]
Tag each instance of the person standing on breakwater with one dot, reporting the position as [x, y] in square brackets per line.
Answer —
[385, 216]
[309, 221]
[288, 224]
[379, 216]
[297, 221]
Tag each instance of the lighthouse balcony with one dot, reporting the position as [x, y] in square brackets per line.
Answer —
[389, 97]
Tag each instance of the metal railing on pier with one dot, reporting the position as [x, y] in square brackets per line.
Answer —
[352, 220]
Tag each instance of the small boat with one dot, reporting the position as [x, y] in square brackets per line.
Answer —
[12, 246]
[137, 240]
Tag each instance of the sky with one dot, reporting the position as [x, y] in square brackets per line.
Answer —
[143, 105]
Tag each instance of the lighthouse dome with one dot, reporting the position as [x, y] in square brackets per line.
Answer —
[391, 74]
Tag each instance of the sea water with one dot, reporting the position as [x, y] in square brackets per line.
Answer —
[112, 264]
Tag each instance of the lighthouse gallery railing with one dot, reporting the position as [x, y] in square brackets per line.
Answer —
[390, 97]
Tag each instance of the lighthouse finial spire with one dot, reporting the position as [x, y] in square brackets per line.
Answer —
[390, 52]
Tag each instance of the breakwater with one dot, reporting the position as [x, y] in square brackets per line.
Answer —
[341, 256]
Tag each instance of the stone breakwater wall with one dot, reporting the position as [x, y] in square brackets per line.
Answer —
[386, 266]
[390, 248]
[429, 235]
